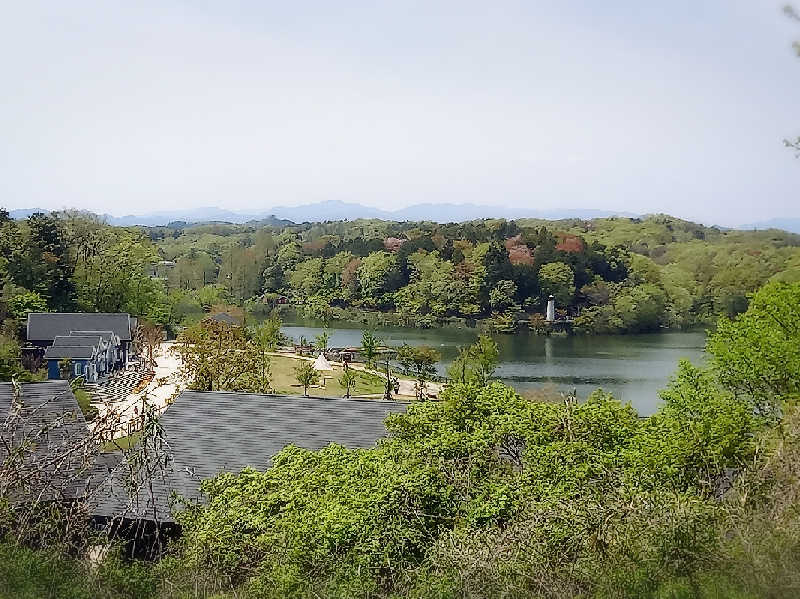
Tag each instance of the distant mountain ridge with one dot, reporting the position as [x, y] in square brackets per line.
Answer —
[337, 210]
[442, 213]
[332, 210]
[787, 224]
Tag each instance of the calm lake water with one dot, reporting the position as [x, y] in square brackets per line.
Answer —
[632, 367]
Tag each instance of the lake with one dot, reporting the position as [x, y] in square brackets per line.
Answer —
[632, 367]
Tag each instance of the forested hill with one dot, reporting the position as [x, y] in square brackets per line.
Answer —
[608, 274]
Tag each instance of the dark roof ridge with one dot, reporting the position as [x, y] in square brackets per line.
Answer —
[79, 332]
[73, 313]
[44, 326]
[290, 396]
[45, 383]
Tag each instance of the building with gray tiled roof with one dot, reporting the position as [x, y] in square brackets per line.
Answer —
[207, 433]
[43, 327]
[45, 428]
[54, 329]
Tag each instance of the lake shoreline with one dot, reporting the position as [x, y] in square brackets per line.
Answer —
[632, 367]
[493, 325]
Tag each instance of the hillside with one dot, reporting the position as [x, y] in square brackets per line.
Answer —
[609, 275]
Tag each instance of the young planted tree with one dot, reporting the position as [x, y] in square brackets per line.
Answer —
[267, 335]
[306, 375]
[390, 382]
[321, 341]
[348, 379]
[65, 369]
[149, 337]
[265, 338]
[369, 346]
[419, 362]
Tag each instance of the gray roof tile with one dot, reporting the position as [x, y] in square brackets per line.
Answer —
[106, 335]
[77, 341]
[46, 326]
[72, 352]
[52, 422]
[213, 432]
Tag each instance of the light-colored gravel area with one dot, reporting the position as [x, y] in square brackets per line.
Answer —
[167, 383]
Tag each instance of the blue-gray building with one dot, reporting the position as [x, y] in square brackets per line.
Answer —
[90, 354]
[95, 343]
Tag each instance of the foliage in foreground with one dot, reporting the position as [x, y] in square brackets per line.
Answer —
[487, 494]
[564, 481]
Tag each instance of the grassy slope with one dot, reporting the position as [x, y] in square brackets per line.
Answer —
[284, 381]
[84, 398]
[122, 443]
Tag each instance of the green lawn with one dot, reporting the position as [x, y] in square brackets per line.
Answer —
[283, 380]
[122, 443]
[83, 397]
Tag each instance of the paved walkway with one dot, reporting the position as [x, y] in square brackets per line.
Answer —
[116, 387]
[123, 409]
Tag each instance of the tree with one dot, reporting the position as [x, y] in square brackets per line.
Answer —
[113, 276]
[321, 341]
[348, 378]
[318, 307]
[390, 384]
[378, 275]
[333, 271]
[307, 277]
[701, 430]
[758, 354]
[65, 370]
[267, 335]
[419, 362]
[211, 295]
[641, 308]
[19, 306]
[497, 264]
[433, 287]
[369, 346]
[10, 365]
[475, 363]
[193, 270]
[150, 336]
[306, 375]
[503, 295]
[557, 279]
[242, 270]
[41, 262]
[218, 357]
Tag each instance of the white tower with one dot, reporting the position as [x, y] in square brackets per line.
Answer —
[551, 309]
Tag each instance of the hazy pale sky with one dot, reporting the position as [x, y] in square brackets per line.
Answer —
[127, 107]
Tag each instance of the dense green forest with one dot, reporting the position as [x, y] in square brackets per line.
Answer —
[611, 275]
[487, 494]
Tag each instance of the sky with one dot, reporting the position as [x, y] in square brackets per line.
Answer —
[131, 107]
